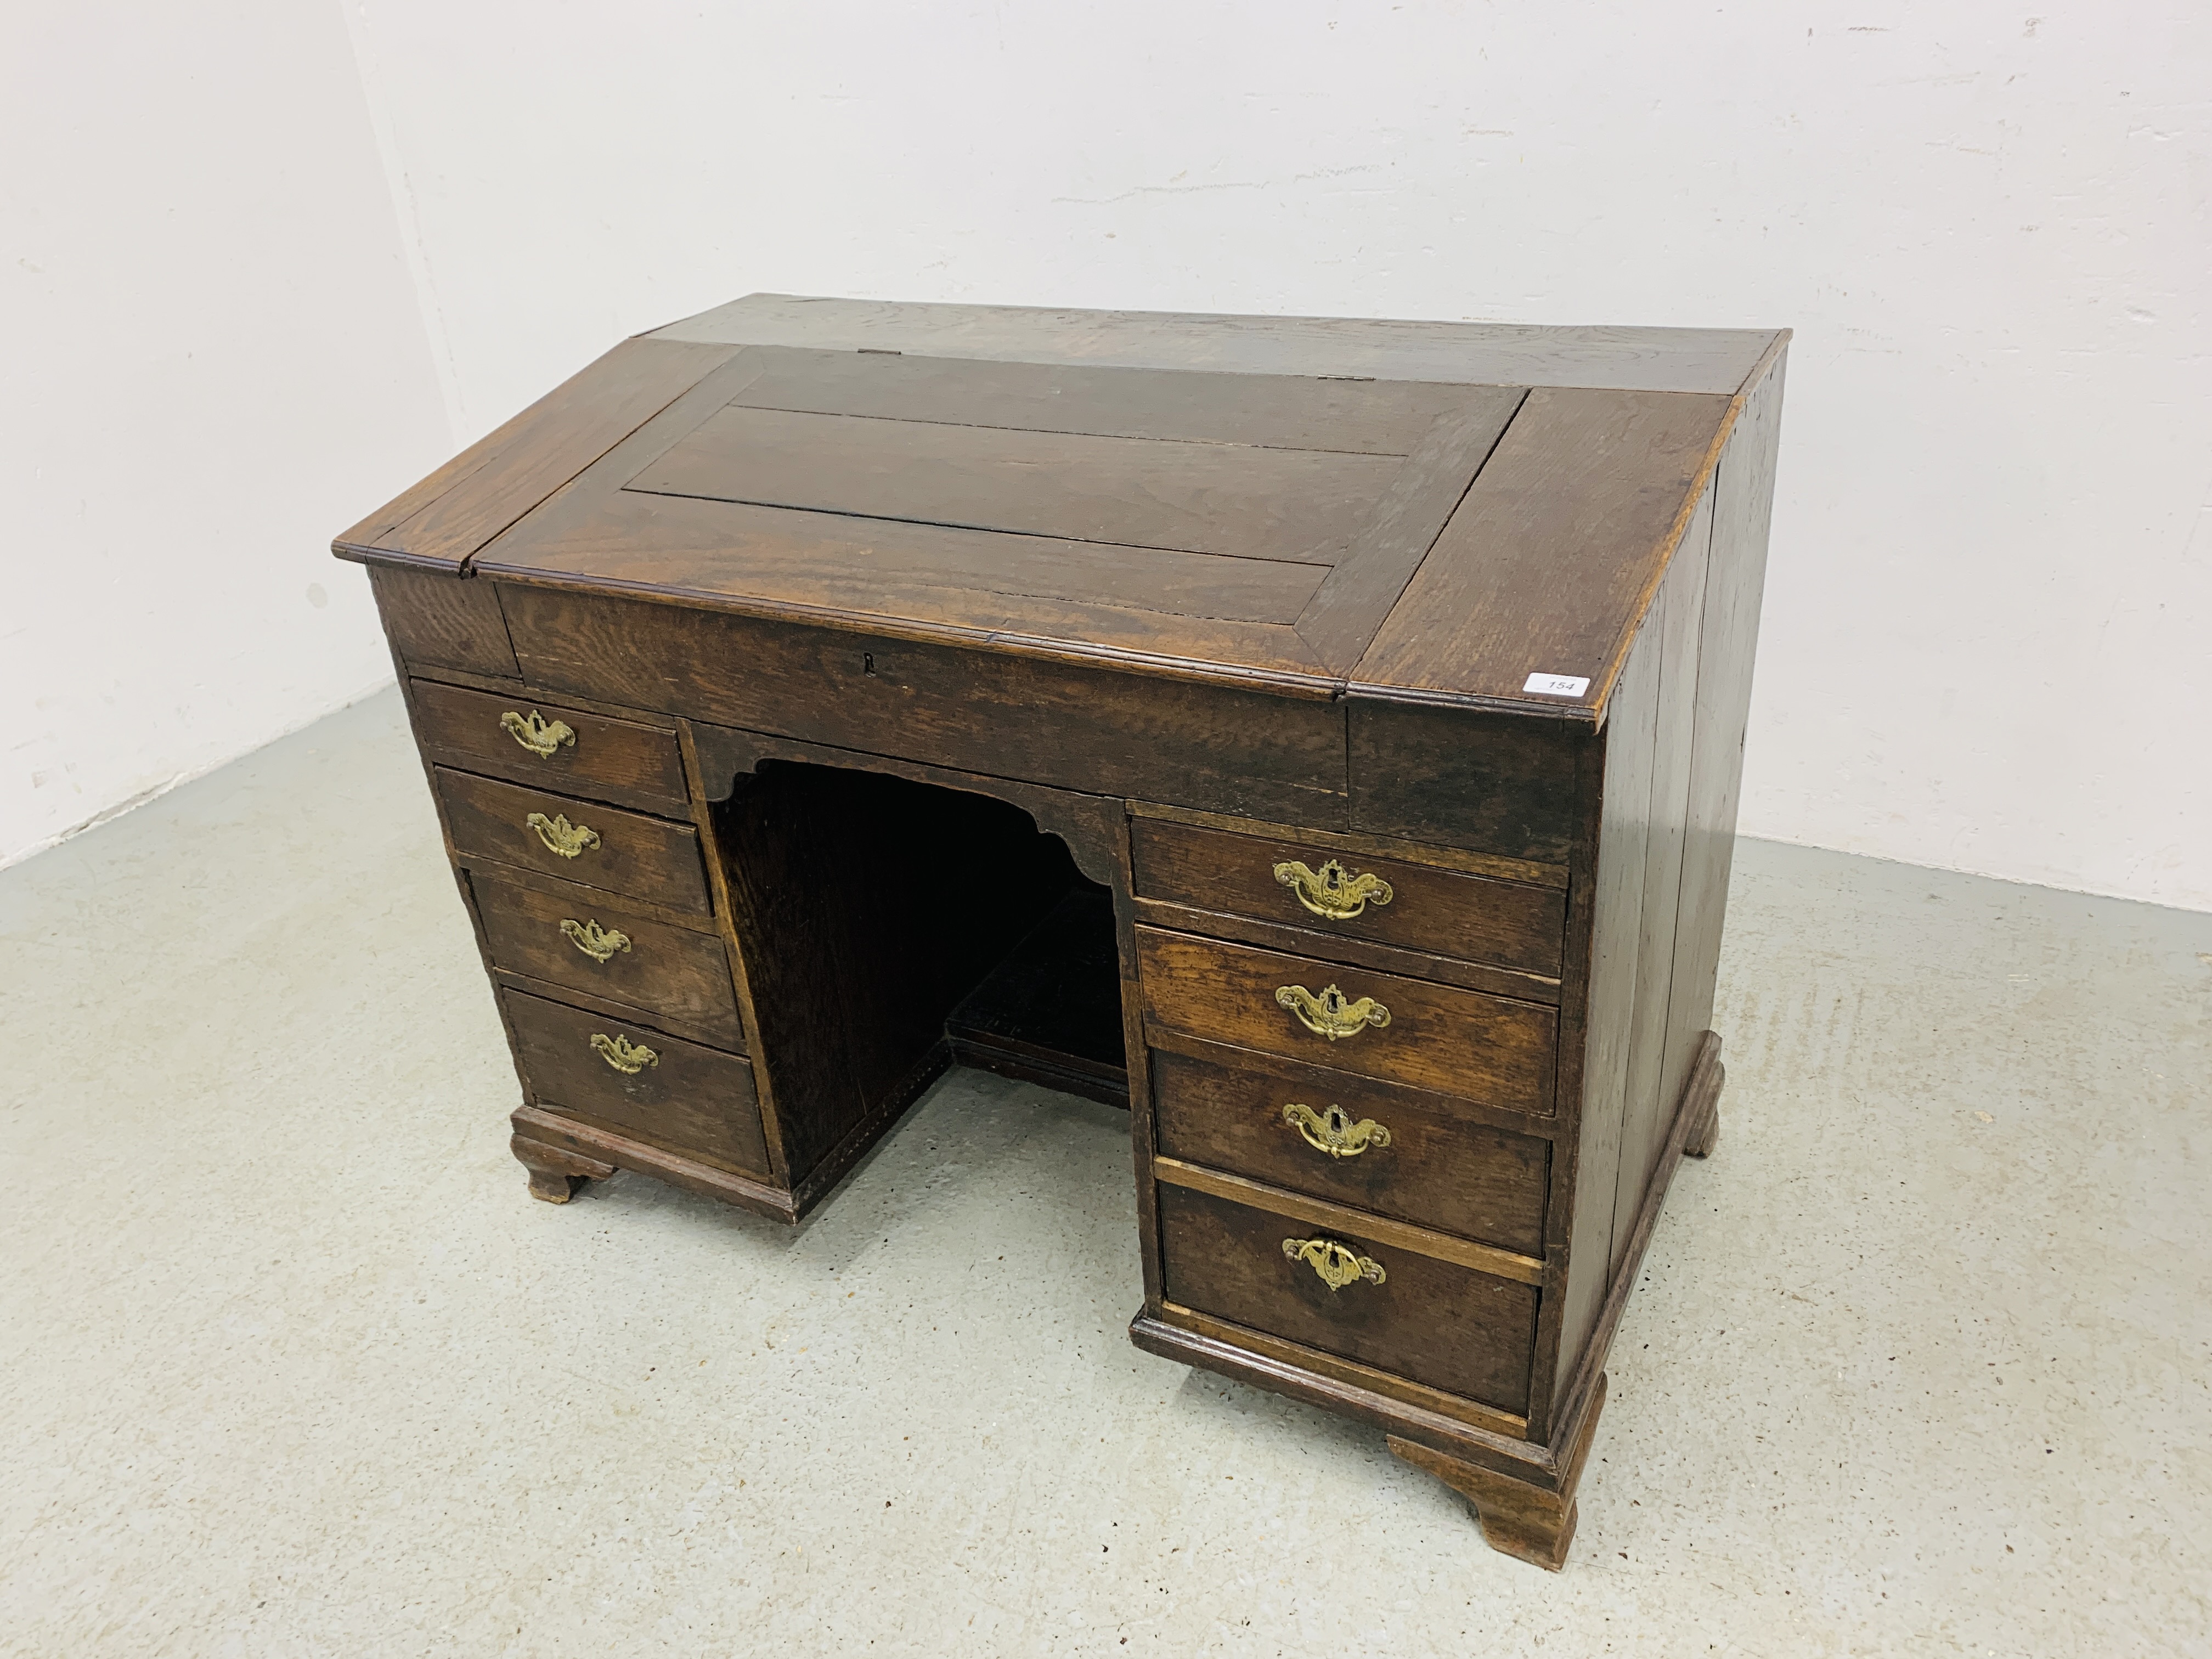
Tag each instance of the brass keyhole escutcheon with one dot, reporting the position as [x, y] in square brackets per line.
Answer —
[537, 735]
[1332, 892]
[1332, 1014]
[1331, 1130]
[562, 838]
[1337, 1263]
[601, 944]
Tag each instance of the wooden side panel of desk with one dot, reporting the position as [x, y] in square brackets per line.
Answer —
[1675, 734]
[1743, 506]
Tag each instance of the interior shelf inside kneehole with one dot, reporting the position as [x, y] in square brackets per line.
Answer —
[887, 922]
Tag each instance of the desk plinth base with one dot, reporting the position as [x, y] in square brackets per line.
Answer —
[1533, 1523]
[558, 1150]
[554, 1173]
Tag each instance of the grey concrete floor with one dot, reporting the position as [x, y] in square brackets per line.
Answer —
[293, 1365]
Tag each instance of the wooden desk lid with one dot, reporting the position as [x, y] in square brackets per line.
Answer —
[1422, 511]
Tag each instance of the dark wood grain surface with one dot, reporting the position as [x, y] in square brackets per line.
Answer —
[629, 853]
[1346, 844]
[1403, 527]
[1347, 953]
[1550, 561]
[623, 1014]
[1138, 518]
[693, 1100]
[1051, 1011]
[1438, 1323]
[1438, 1037]
[1496, 783]
[438, 620]
[1743, 503]
[1673, 628]
[1091, 826]
[610, 760]
[488, 486]
[1622, 851]
[1244, 501]
[1706, 360]
[1291, 411]
[1438, 1169]
[856, 916]
[684, 972]
[1437, 911]
[973, 710]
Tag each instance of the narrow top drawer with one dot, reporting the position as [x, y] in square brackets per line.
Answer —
[1438, 911]
[552, 747]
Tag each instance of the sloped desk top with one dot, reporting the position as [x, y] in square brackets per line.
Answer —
[1413, 511]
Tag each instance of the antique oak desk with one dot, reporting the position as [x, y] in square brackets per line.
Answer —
[1322, 736]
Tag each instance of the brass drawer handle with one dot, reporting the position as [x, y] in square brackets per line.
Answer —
[1332, 1014]
[621, 1054]
[1338, 1264]
[1331, 1130]
[536, 735]
[1332, 892]
[562, 838]
[598, 943]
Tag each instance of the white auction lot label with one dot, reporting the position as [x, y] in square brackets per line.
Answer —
[1557, 685]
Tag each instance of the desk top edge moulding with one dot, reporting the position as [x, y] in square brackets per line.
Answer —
[1349, 714]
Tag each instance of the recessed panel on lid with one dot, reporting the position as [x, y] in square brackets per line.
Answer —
[1301, 505]
[1267, 522]
[1276, 411]
[1250, 466]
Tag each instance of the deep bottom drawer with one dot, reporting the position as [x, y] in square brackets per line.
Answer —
[1432, 1322]
[684, 1097]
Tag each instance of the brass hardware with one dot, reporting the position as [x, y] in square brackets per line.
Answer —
[598, 943]
[1332, 1014]
[562, 838]
[534, 734]
[1331, 1130]
[1338, 1265]
[1332, 892]
[623, 1055]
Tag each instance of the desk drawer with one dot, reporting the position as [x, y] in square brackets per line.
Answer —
[597, 757]
[679, 1095]
[1511, 924]
[1397, 1151]
[621, 851]
[652, 966]
[1433, 1322]
[1457, 1042]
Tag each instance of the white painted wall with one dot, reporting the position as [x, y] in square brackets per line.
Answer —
[1993, 229]
[211, 358]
